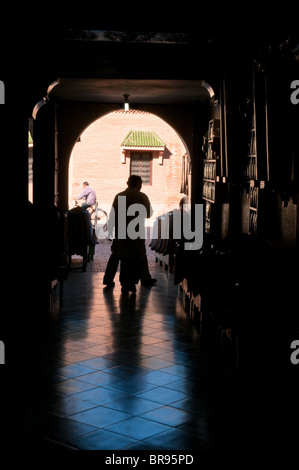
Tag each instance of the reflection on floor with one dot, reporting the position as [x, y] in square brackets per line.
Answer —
[124, 372]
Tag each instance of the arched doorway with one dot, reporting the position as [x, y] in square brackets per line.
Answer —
[184, 105]
[126, 142]
[74, 105]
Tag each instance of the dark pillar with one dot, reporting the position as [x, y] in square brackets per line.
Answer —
[14, 138]
[44, 154]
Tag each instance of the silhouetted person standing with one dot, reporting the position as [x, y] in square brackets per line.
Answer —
[128, 246]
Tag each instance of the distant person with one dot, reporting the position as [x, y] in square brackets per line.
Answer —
[130, 252]
[89, 196]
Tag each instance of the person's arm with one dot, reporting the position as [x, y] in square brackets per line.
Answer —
[82, 195]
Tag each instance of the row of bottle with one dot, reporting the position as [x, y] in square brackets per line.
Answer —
[253, 197]
[250, 171]
[210, 152]
[209, 171]
[253, 222]
[208, 190]
[208, 210]
[207, 226]
[214, 129]
[252, 143]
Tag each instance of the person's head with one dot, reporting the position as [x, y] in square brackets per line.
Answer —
[134, 181]
[85, 184]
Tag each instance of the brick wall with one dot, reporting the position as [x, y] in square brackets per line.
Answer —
[97, 159]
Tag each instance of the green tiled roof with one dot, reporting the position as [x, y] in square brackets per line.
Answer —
[142, 139]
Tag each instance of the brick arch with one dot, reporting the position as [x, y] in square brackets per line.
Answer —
[96, 157]
[74, 118]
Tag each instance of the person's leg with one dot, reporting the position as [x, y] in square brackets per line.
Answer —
[126, 276]
[112, 265]
[146, 278]
[84, 206]
[130, 272]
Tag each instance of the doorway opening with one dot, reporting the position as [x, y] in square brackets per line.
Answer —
[122, 143]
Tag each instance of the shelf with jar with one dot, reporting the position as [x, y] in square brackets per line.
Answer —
[250, 170]
[253, 207]
[211, 174]
[256, 197]
[213, 130]
[254, 173]
[250, 167]
[208, 211]
[211, 149]
[210, 179]
[208, 191]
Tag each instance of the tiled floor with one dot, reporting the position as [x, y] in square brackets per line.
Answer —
[120, 372]
[130, 371]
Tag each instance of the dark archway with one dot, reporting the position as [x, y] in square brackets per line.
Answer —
[72, 105]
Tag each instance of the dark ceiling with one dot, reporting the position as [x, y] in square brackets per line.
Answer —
[139, 91]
